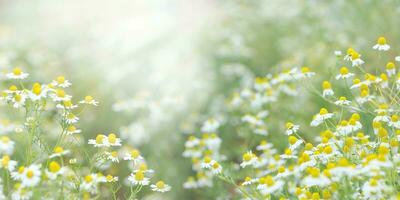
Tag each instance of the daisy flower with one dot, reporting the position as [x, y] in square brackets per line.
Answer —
[321, 116]
[113, 140]
[17, 73]
[291, 128]
[390, 69]
[71, 118]
[190, 183]
[31, 176]
[249, 158]
[207, 162]
[133, 155]
[306, 72]
[356, 59]
[216, 168]
[18, 100]
[99, 141]
[38, 92]
[59, 152]
[211, 125]
[160, 186]
[315, 178]
[68, 105]
[6, 145]
[113, 156]
[54, 170]
[60, 95]
[342, 101]
[138, 178]
[381, 44]
[267, 185]
[111, 179]
[344, 74]
[248, 181]
[72, 130]
[327, 89]
[61, 82]
[294, 143]
[7, 163]
[89, 100]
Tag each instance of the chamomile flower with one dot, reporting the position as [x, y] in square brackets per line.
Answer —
[89, 183]
[54, 170]
[160, 186]
[216, 168]
[7, 163]
[306, 72]
[294, 143]
[315, 178]
[111, 179]
[138, 178]
[267, 185]
[344, 73]
[190, 183]
[327, 89]
[249, 158]
[113, 140]
[70, 118]
[390, 69]
[133, 155]
[61, 82]
[67, 105]
[6, 145]
[211, 125]
[321, 117]
[71, 129]
[291, 128]
[374, 189]
[89, 100]
[38, 92]
[394, 121]
[18, 100]
[100, 141]
[17, 73]
[21, 193]
[31, 176]
[112, 156]
[356, 59]
[249, 181]
[207, 162]
[264, 145]
[60, 95]
[381, 44]
[59, 152]
[342, 101]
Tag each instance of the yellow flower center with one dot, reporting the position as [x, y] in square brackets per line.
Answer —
[17, 71]
[390, 65]
[381, 40]
[112, 138]
[135, 153]
[160, 184]
[139, 176]
[326, 85]
[60, 93]
[21, 169]
[5, 161]
[29, 174]
[99, 139]
[323, 111]
[292, 140]
[114, 154]
[36, 88]
[71, 128]
[344, 71]
[13, 88]
[18, 98]
[88, 178]
[54, 167]
[88, 98]
[58, 150]
[60, 79]
[5, 139]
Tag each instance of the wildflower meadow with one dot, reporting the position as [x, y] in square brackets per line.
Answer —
[246, 100]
